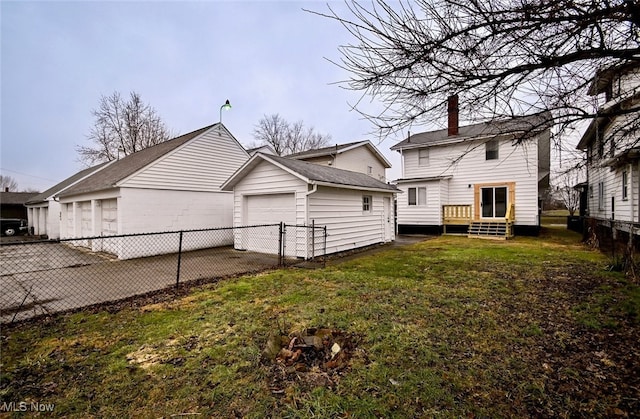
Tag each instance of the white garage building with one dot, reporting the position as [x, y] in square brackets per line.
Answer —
[171, 186]
[356, 209]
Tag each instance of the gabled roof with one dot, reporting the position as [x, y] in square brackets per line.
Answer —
[521, 124]
[338, 149]
[58, 188]
[16, 198]
[312, 174]
[119, 170]
[267, 149]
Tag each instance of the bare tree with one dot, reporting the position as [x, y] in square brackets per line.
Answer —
[122, 128]
[7, 183]
[502, 57]
[287, 138]
[566, 190]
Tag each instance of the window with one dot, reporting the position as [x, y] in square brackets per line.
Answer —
[491, 148]
[369, 170]
[417, 196]
[423, 157]
[366, 203]
[625, 186]
[601, 195]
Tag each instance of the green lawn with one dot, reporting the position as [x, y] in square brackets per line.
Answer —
[450, 327]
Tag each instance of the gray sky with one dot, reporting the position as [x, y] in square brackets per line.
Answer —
[184, 59]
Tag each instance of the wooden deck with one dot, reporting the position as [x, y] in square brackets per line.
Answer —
[462, 215]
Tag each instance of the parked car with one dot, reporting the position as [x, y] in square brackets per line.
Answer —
[13, 226]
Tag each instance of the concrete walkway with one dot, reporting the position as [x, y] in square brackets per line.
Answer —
[44, 278]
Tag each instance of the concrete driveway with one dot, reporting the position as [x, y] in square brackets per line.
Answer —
[44, 278]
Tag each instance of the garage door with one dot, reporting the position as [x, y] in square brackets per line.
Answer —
[109, 217]
[86, 219]
[267, 209]
[271, 209]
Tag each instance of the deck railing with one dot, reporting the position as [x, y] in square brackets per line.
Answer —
[509, 219]
[456, 215]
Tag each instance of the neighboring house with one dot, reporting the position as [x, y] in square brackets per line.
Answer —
[612, 145]
[43, 209]
[12, 204]
[172, 186]
[264, 149]
[356, 209]
[361, 156]
[476, 179]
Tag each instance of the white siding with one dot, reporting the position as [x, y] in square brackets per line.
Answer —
[266, 178]
[517, 164]
[356, 160]
[340, 210]
[203, 164]
[348, 226]
[429, 214]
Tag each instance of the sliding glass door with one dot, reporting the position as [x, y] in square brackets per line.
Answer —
[494, 202]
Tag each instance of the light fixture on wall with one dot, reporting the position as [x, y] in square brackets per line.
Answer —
[226, 107]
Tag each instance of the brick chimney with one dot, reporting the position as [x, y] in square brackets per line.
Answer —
[452, 111]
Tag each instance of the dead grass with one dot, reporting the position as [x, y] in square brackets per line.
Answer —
[448, 327]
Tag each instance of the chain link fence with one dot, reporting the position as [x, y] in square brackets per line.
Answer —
[41, 278]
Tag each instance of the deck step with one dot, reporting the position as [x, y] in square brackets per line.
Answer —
[488, 230]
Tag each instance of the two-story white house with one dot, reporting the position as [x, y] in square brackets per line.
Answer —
[484, 179]
[612, 146]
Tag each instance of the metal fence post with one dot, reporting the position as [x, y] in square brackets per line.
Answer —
[179, 260]
[313, 239]
[281, 245]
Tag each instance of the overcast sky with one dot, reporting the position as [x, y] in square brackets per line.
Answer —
[184, 59]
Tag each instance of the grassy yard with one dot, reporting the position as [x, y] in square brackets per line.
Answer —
[447, 327]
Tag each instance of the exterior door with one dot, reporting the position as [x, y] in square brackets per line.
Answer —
[494, 202]
[387, 220]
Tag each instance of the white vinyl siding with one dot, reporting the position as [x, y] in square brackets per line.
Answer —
[202, 164]
[430, 212]
[340, 210]
[359, 159]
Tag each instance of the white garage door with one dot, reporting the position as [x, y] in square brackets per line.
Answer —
[109, 217]
[267, 209]
[86, 219]
[271, 209]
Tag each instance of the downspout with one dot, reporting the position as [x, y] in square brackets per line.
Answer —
[313, 190]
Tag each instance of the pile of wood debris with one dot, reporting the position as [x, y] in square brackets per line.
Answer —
[316, 357]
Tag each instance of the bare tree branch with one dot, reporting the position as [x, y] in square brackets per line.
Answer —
[122, 128]
[504, 58]
[287, 138]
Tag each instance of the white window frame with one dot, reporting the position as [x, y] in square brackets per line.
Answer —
[367, 204]
[423, 157]
[419, 196]
[625, 185]
[492, 150]
[601, 196]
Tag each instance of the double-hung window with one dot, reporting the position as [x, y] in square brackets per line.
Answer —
[417, 196]
[492, 148]
[625, 186]
[423, 157]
